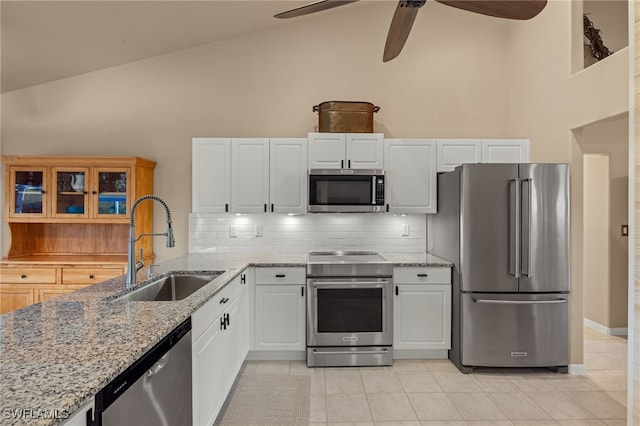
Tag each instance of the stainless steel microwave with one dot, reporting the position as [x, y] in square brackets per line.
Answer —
[346, 190]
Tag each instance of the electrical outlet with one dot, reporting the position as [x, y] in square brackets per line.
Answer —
[624, 230]
[257, 230]
[233, 231]
[405, 230]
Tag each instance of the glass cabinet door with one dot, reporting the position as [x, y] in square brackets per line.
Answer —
[112, 192]
[71, 194]
[29, 197]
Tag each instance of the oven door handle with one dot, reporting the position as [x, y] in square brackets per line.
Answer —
[349, 283]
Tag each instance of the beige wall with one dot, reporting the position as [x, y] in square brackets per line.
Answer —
[597, 305]
[610, 137]
[448, 82]
[460, 75]
[634, 361]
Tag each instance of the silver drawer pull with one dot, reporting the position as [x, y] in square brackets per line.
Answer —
[520, 302]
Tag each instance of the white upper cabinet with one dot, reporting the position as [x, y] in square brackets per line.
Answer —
[453, 152]
[249, 175]
[411, 178]
[211, 175]
[345, 150]
[505, 150]
[288, 175]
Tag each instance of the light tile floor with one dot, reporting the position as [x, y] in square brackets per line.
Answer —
[435, 393]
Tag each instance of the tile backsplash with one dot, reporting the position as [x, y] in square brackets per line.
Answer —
[293, 234]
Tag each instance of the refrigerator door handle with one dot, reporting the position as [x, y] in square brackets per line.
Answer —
[526, 228]
[520, 302]
[514, 227]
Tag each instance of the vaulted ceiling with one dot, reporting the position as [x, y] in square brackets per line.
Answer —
[43, 41]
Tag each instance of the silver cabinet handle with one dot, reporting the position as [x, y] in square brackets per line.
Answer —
[520, 302]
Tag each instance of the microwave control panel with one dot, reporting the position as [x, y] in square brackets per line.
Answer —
[380, 190]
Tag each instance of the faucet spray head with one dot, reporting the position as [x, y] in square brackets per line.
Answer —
[171, 241]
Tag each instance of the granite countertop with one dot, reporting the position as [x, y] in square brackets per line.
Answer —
[56, 355]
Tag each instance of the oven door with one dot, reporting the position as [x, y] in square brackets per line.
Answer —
[349, 312]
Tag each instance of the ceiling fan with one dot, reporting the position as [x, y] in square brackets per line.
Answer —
[407, 10]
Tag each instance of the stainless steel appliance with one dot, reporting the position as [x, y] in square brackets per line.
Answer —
[506, 229]
[346, 190]
[155, 390]
[349, 309]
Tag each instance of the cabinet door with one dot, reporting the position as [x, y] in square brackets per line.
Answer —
[422, 316]
[211, 175]
[14, 297]
[111, 192]
[70, 193]
[327, 150]
[505, 151]
[208, 374]
[364, 151]
[288, 175]
[28, 192]
[453, 152]
[249, 175]
[233, 345]
[411, 181]
[279, 317]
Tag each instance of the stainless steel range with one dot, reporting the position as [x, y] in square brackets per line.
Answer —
[349, 309]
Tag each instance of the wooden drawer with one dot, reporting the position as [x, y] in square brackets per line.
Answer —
[28, 275]
[88, 275]
[279, 276]
[48, 293]
[422, 275]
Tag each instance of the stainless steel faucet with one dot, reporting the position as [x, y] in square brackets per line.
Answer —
[132, 265]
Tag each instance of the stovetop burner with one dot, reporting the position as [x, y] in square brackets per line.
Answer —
[347, 264]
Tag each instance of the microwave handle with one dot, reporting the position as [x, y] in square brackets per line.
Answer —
[373, 189]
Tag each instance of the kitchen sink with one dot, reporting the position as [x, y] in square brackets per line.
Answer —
[170, 288]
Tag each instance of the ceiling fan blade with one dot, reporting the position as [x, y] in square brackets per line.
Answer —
[401, 24]
[509, 9]
[313, 7]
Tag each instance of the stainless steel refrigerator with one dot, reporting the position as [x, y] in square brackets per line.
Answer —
[506, 229]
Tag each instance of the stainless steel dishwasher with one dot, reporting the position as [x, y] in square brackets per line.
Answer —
[155, 390]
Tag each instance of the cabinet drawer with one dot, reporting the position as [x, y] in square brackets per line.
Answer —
[290, 275]
[207, 314]
[422, 275]
[28, 275]
[88, 275]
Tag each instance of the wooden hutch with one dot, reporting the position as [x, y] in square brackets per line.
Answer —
[69, 223]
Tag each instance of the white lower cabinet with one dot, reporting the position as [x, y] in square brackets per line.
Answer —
[280, 296]
[422, 309]
[219, 336]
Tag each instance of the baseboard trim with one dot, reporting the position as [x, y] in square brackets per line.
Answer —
[619, 331]
[578, 369]
[420, 354]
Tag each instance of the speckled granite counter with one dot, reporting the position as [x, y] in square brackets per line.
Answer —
[55, 355]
